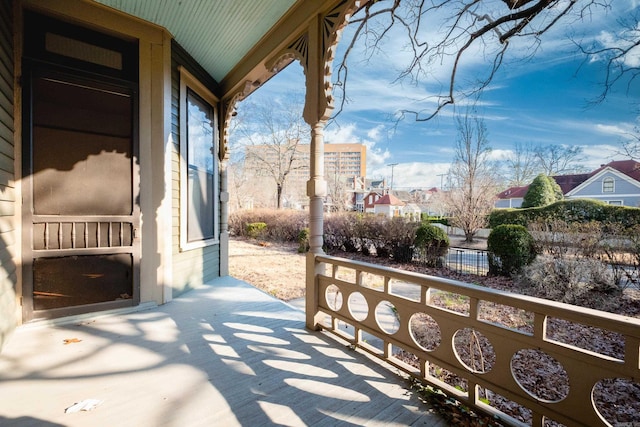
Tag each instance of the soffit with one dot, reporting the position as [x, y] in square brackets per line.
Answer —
[216, 33]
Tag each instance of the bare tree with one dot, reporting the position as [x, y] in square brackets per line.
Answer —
[465, 28]
[272, 134]
[554, 159]
[339, 198]
[618, 50]
[472, 181]
[521, 165]
[631, 144]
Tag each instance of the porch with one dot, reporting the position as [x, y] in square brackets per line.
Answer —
[225, 354]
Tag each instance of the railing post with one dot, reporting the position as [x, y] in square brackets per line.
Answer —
[312, 296]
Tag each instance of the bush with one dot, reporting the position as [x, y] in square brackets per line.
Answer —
[303, 241]
[579, 210]
[431, 244]
[510, 248]
[580, 281]
[256, 230]
[436, 219]
[541, 192]
[400, 236]
[282, 225]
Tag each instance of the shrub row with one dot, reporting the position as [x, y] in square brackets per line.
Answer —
[279, 226]
[582, 211]
[395, 238]
[370, 234]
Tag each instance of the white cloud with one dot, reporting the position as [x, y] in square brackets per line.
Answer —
[349, 134]
[500, 154]
[374, 134]
[618, 129]
[407, 176]
[600, 154]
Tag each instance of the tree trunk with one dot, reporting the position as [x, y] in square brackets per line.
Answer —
[279, 196]
[468, 236]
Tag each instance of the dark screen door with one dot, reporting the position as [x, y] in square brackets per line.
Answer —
[81, 210]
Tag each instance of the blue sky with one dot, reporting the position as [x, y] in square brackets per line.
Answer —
[544, 100]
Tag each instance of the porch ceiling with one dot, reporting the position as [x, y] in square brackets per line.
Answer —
[218, 34]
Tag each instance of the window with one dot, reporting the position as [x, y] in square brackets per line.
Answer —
[198, 164]
[608, 185]
[615, 202]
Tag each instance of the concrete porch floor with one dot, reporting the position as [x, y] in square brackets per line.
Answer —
[225, 354]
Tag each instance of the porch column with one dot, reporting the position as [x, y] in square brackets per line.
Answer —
[224, 219]
[315, 49]
[317, 110]
[316, 189]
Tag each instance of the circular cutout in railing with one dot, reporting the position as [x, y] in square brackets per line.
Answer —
[474, 350]
[333, 296]
[617, 401]
[540, 375]
[387, 317]
[358, 306]
[425, 331]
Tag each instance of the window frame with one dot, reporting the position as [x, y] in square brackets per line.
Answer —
[607, 180]
[190, 83]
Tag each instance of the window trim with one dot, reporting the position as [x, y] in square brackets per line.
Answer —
[190, 82]
[615, 202]
[611, 180]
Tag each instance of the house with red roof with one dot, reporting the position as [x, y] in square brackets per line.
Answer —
[370, 200]
[389, 205]
[511, 197]
[614, 183]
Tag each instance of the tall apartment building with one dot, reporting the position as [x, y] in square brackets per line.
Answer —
[342, 160]
[343, 164]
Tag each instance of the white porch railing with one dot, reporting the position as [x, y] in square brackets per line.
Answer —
[437, 329]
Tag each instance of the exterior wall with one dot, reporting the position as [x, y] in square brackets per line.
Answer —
[8, 210]
[508, 203]
[388, 210]
[191, 268]
[346, 159]
[625, 190]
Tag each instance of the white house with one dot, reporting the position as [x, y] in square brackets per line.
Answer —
[389, 205]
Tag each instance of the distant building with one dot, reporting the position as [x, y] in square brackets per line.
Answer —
[343, 162]
[616, 183]
[389, 205]
[345, 159]
[511, 197]
[370, 199]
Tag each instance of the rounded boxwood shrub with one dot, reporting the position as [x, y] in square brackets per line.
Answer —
[510, 247]
[431, 244]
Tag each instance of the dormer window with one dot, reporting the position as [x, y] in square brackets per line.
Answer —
[608, 185]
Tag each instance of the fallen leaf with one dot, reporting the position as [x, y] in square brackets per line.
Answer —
[71, 341]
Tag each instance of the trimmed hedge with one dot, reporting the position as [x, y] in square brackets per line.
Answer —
[509, 248]
[579, 210]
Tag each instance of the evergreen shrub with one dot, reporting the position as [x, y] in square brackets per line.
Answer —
[578, 210]
[509, 248]
[303, 240]
[256, 230]
[431, 244]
